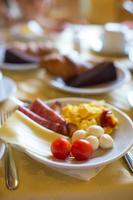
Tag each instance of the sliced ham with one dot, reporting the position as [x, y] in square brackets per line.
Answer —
[41, 109]
[44, 122]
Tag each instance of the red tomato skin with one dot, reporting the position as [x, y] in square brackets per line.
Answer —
[61, 148]
[81, 150]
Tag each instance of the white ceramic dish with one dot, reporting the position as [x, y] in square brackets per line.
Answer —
[27, 31]
[9, 88]
[13, 66]
[123, 140]
[18, 67]
[123, 77]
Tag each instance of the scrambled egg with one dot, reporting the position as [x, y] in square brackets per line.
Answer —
[87, 114]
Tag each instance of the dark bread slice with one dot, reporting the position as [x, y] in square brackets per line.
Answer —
[102, 73]
[18, 57]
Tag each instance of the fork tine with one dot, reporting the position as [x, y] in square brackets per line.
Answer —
[2, 118]
[4, 115]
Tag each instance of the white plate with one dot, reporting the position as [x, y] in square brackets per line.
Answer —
[18, 67]
[123, 77]
[27, 31]
[9, 88]
[13, 66]
[123, 140]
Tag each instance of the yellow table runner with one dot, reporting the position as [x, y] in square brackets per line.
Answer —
[39, 182]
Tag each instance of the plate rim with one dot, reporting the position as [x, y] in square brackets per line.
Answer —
[14, 66]
[94, 91]
[18, 67]
[15, 34]
[60, 165]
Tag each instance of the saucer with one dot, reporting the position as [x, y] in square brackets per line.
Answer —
[9, 88]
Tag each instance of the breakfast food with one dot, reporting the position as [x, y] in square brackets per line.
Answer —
[94, 142]
[64, 66]
[101, 73]
[85, 115]
[82, 150]
[19, 52]
[36, 49]
[95, 130]
[18, 57]
[41, 109]
[87, 126]
[79, 134]
[106, 141]
[57, 127]
[77, 72]
[61, 148]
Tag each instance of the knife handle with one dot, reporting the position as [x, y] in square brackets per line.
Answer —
[129, 159]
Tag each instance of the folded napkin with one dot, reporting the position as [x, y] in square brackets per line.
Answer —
[20, 130]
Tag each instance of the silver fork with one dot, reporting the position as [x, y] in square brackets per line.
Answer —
[11, 174]
[129, 159]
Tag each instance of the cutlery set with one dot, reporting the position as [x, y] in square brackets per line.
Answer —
[11, 174]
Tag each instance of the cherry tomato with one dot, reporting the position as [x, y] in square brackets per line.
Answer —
[81, 149]
[61, 148]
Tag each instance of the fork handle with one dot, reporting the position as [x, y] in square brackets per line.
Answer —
[11, 174]
[129, 159]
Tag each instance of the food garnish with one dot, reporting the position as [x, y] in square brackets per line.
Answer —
[94, 141]
[79, 134]
[82, 150]
[95, 130]
[106, 141]
[61, 148]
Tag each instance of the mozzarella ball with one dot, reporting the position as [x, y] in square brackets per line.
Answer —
[106, 141]
[95, 130]
[94, 141]
[79, 134]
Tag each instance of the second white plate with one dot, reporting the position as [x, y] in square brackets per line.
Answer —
[18, 67]
[123, 77]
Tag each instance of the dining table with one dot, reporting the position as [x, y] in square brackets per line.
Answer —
[36, 180]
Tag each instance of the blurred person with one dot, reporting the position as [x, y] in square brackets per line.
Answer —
[4, 12]
[33, 9]
[28, 9]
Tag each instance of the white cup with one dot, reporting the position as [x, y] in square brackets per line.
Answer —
[113, 38]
